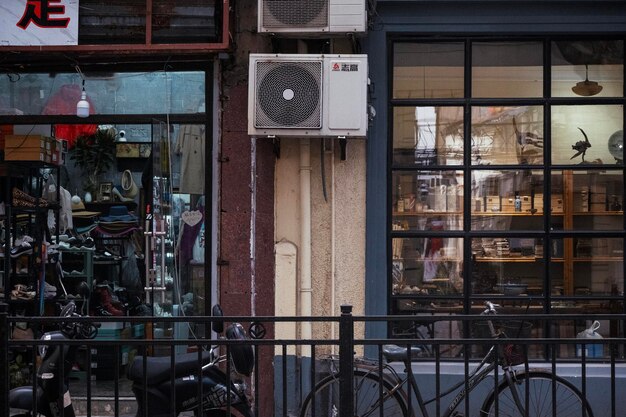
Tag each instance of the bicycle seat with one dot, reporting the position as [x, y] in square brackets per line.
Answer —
[158, 369]
[395, 353]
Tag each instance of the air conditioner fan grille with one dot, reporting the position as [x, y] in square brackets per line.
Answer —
[288, 95]
[295, 13]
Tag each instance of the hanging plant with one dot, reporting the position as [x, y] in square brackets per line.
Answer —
[94, 155]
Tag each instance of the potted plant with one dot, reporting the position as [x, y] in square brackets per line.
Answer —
[94, 154]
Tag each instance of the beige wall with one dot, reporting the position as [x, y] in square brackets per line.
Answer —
[337, 231]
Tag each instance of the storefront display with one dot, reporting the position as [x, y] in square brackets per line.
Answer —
[489, 200]
[87, 208]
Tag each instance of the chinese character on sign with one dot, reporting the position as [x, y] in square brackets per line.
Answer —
[39, 12]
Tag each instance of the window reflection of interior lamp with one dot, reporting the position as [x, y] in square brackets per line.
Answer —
[587, 88]
[82, 107]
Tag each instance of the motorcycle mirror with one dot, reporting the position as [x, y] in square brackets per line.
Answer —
[217, 326]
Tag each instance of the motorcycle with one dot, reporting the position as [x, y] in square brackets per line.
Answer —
[52, 397]
[220, 394]
[208, 392]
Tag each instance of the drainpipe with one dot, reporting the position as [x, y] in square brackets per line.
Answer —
[305, 242]
[305, 233]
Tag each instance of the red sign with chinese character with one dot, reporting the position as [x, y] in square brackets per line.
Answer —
[38, 22]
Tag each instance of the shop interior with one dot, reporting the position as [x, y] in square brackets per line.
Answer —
[503, 241]
[108, 213]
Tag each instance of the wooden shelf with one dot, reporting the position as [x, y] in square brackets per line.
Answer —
[511, 214]
[598, 213]
[426, 213]
[599, 259]
[428, 259]
[512, 259]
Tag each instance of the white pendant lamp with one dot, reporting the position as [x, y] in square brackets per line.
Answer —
[82, 107]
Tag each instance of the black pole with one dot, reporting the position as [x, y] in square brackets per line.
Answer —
[346, 362]
[4, 360]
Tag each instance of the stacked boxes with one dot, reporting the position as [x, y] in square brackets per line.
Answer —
[33, 148]
[27, 148]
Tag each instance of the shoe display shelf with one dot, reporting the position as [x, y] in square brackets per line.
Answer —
[76, 276]
[25, 232]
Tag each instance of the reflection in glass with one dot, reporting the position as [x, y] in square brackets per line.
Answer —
[428, 135]
[507, 135]
[509, 267]
[588, 68]
[507, 69]
[580, 134]
[428, 200]
[155, 92]
[591, 266]
[587, 200]
[507, 200]
[427, 266]
[428, 70]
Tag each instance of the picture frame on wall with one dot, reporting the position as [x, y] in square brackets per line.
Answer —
[105, 191]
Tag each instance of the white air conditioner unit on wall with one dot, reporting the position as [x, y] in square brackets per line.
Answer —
[312, 16]
[307, 95]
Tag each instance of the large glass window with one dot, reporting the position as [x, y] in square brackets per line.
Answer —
[507, 179]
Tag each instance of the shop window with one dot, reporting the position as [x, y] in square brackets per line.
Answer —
[154, 92]
[536, 191]
[428, 70]
[586, 68]
[124, 22]
[507, 69]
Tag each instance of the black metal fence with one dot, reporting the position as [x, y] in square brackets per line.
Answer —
[326, 376]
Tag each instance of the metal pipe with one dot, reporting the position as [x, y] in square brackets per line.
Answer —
[305, 241]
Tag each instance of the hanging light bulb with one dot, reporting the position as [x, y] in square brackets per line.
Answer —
[82, 107]
[587, 88]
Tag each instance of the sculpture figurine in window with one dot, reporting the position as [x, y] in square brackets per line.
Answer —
[581, 146]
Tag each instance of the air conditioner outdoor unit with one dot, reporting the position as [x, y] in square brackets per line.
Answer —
[307, 95]
[301, 17]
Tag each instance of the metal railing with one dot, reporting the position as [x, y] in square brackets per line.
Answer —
[286, 370]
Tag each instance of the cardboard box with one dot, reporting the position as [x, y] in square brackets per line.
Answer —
[597, 207]
[556, 203]
[597, 198]
[478, 205]
[27, 154]
[27, 141]
[508, 204]
[493, 203]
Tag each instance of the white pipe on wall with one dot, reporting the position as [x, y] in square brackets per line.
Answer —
[305, 243]
[333, 259]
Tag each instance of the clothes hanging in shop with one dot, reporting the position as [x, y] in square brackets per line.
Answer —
[189, 236]
[190, 145]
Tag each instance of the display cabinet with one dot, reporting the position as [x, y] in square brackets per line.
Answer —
[29, 221]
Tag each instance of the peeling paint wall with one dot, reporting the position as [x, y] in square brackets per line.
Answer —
[337, 223]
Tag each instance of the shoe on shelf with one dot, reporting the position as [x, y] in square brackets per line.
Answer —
[23, 199]
[23, 239]
[22, 292]
[106, 301]
[23, 248]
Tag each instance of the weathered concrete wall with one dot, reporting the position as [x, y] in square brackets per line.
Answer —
[337, 225]
[246, 184]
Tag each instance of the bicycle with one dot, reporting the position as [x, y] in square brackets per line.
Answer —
[520, 392]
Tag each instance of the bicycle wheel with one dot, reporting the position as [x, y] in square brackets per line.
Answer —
[569, 400]
[366, 399]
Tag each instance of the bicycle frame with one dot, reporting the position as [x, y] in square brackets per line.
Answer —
[485, 368]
